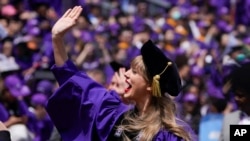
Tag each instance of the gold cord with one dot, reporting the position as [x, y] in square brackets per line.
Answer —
[156, 91]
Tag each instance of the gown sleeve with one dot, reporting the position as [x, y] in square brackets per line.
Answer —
[82, 109]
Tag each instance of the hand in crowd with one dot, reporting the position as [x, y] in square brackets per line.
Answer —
[2, 126]
[15, 120]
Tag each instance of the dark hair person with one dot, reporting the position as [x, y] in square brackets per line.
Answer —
[82, 109]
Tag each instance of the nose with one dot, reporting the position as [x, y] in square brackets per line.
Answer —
[126, 74]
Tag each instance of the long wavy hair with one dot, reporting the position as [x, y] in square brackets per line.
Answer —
[159, 116]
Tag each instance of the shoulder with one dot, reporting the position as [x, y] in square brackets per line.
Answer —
[232, 114]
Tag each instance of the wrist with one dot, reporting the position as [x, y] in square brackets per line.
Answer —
[57, 37]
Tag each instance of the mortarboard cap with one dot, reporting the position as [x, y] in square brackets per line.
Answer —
[45, 86]
[190, 97]
[14, 84]
[116, 66]
[193, 9]
[39, 99]
[197, 71]
[223, 11]
[159, 65]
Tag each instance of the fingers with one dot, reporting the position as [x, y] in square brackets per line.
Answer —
[117, 77]
[122, 71]
[67, 13]
[75, 12]
[78, 12]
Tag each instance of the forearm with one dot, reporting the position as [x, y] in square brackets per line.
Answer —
[14, 120]
[60, 53]
[106, 56]
[8, 123]
[80, 59]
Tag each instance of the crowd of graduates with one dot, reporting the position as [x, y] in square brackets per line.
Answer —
[206, 38]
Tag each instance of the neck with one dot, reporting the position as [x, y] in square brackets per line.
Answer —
[143, 105]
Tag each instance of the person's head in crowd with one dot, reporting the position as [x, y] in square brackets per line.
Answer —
[119, 54]
[142, 9]
[197, 74]
[23, 55]
[182, 65]
[84, 22]
[38, 102]
[239, 79]
[101, 37]
[14, 88]
[122, 20]
[15, 25]
[190, 102]
[236, 53]
[125, 37]
[45, 86]
[95, 9]
[191, 110]
[7, 46]
[217, 105]
[97, 75]
[175, 13]
[91, 60]
[41, 8]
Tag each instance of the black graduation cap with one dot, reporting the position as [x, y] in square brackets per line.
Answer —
[116, 66]
[161, 69]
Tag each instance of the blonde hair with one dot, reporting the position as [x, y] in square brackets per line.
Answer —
[160, 115]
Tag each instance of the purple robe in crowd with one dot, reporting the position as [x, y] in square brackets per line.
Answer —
[41, 128]
[82, 109]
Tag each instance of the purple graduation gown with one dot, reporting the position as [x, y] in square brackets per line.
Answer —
[83, 110]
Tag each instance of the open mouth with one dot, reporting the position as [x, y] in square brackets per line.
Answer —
[128, 87]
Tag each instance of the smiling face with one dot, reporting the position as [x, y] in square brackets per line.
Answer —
[138, 86]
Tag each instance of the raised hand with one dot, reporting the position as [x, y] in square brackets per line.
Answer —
[67, 21]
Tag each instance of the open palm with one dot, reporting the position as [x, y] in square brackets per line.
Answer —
[67, 21]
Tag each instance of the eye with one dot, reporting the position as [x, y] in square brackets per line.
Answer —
[134, 71]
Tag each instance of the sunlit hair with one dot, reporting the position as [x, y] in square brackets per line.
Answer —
[160, 115]
[138, 65]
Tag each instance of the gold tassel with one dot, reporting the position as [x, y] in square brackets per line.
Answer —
[156, 90]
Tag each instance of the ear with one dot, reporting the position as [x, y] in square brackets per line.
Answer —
[149, 88]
